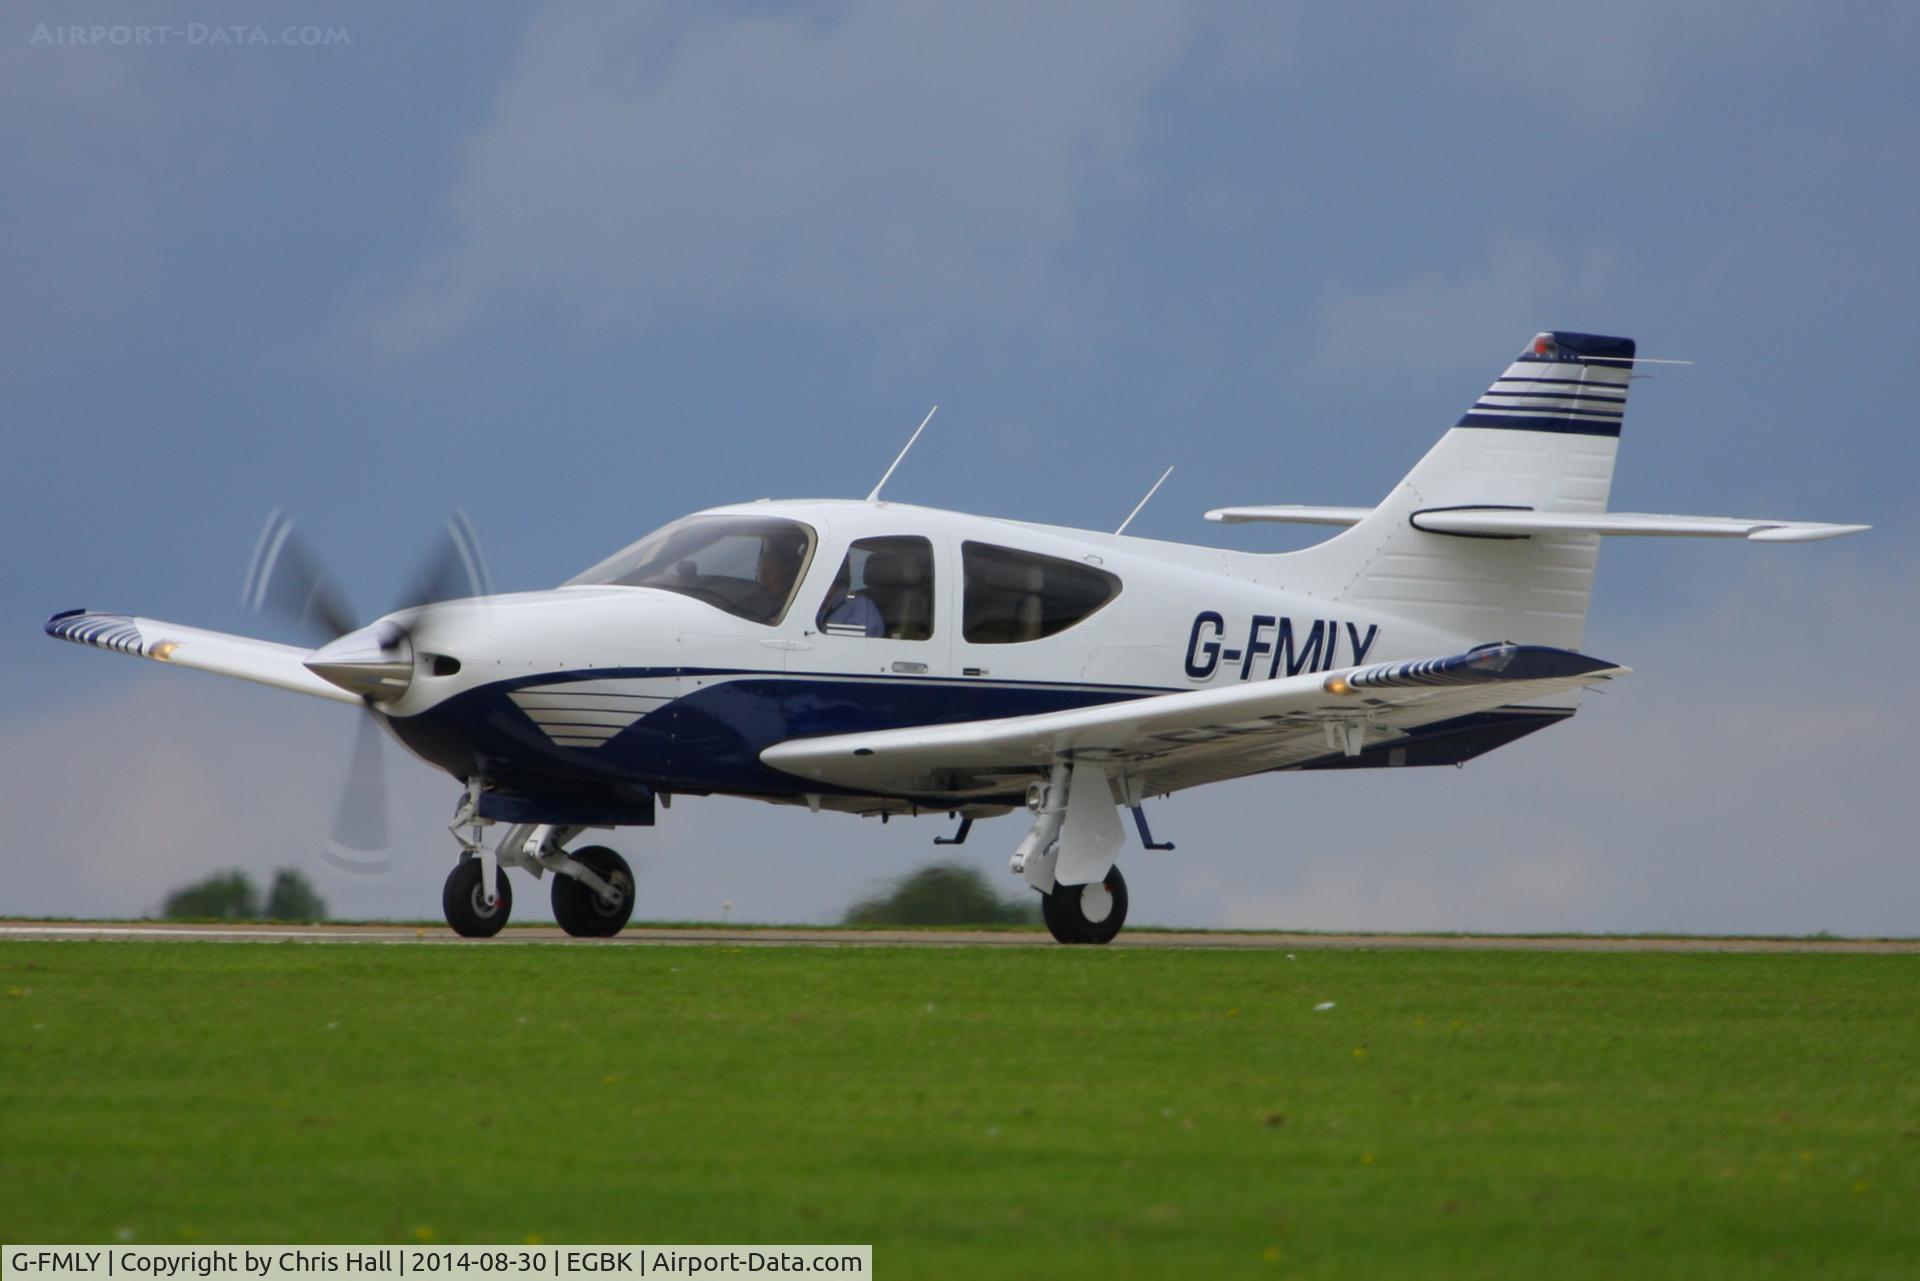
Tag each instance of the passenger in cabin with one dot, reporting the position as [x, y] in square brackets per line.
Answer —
[849, 611]
[853, 614]
[884, 588]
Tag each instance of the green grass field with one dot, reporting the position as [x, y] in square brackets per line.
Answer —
[1055, 1112]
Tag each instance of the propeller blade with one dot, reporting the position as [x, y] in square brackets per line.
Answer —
[359, 841]
[285, 579]
[455, 567]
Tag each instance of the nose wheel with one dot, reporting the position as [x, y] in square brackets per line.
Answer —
[467, 909]
[1091, 913]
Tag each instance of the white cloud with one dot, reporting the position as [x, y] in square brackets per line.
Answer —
[1445, 319]
[50, 90]
[902, 159]
[1595, 69]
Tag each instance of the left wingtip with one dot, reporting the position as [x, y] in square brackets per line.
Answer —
[103, 631]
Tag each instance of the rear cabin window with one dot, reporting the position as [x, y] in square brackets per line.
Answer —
[1014, 596]
[884, 587]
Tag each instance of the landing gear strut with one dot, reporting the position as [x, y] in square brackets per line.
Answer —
[1091, 913]
[1074, 835]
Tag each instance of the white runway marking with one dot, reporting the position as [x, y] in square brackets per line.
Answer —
[80, 931]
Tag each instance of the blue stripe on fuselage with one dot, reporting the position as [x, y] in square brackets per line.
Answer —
[710, 739]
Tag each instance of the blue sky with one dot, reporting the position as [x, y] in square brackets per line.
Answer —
[584, 268]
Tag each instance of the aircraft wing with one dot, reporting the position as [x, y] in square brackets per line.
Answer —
[1165, 742]
[263, 662]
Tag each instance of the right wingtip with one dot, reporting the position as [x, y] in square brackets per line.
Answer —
[1804, 533]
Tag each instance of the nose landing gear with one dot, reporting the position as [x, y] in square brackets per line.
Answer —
[593, 887]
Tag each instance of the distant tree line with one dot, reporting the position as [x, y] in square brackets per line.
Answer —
[943, 894]
[232, 896]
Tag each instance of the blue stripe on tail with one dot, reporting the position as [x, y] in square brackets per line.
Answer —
[1565, 382]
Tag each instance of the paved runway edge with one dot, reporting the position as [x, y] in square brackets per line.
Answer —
[99, 931]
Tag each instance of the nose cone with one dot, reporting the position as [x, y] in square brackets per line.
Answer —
[375, 662]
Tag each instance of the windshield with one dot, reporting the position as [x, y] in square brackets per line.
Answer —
[745, 565]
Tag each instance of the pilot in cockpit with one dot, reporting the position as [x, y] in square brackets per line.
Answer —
[774, 574]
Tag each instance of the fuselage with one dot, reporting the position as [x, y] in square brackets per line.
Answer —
[599, 687]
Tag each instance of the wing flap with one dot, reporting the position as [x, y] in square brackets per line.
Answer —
[1214, 732]
[260, 661]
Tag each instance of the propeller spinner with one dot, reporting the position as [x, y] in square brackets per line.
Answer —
[374, 662]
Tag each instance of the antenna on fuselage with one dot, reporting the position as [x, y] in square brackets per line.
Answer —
[1143, 502]
[874, 497]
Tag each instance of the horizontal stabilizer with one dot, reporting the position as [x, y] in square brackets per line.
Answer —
[264, 662]
[1493, 523]
[1499, 522]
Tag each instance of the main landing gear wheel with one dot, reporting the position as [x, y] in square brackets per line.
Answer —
[465, 905]
[1091, 913]
[580, 909]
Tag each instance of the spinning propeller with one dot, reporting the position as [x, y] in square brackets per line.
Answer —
[285, 579]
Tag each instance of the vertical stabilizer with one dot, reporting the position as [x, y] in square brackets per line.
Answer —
[1542, 438]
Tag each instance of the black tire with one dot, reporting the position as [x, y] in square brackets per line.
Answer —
[1065, 911]
[581, 911]
[1049, 912]
[467, 912]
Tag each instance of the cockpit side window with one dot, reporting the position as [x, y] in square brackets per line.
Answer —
[1013, 596]
[884, 587]
[748, 566]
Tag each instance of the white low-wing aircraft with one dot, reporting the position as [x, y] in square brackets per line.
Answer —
[877, 658]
